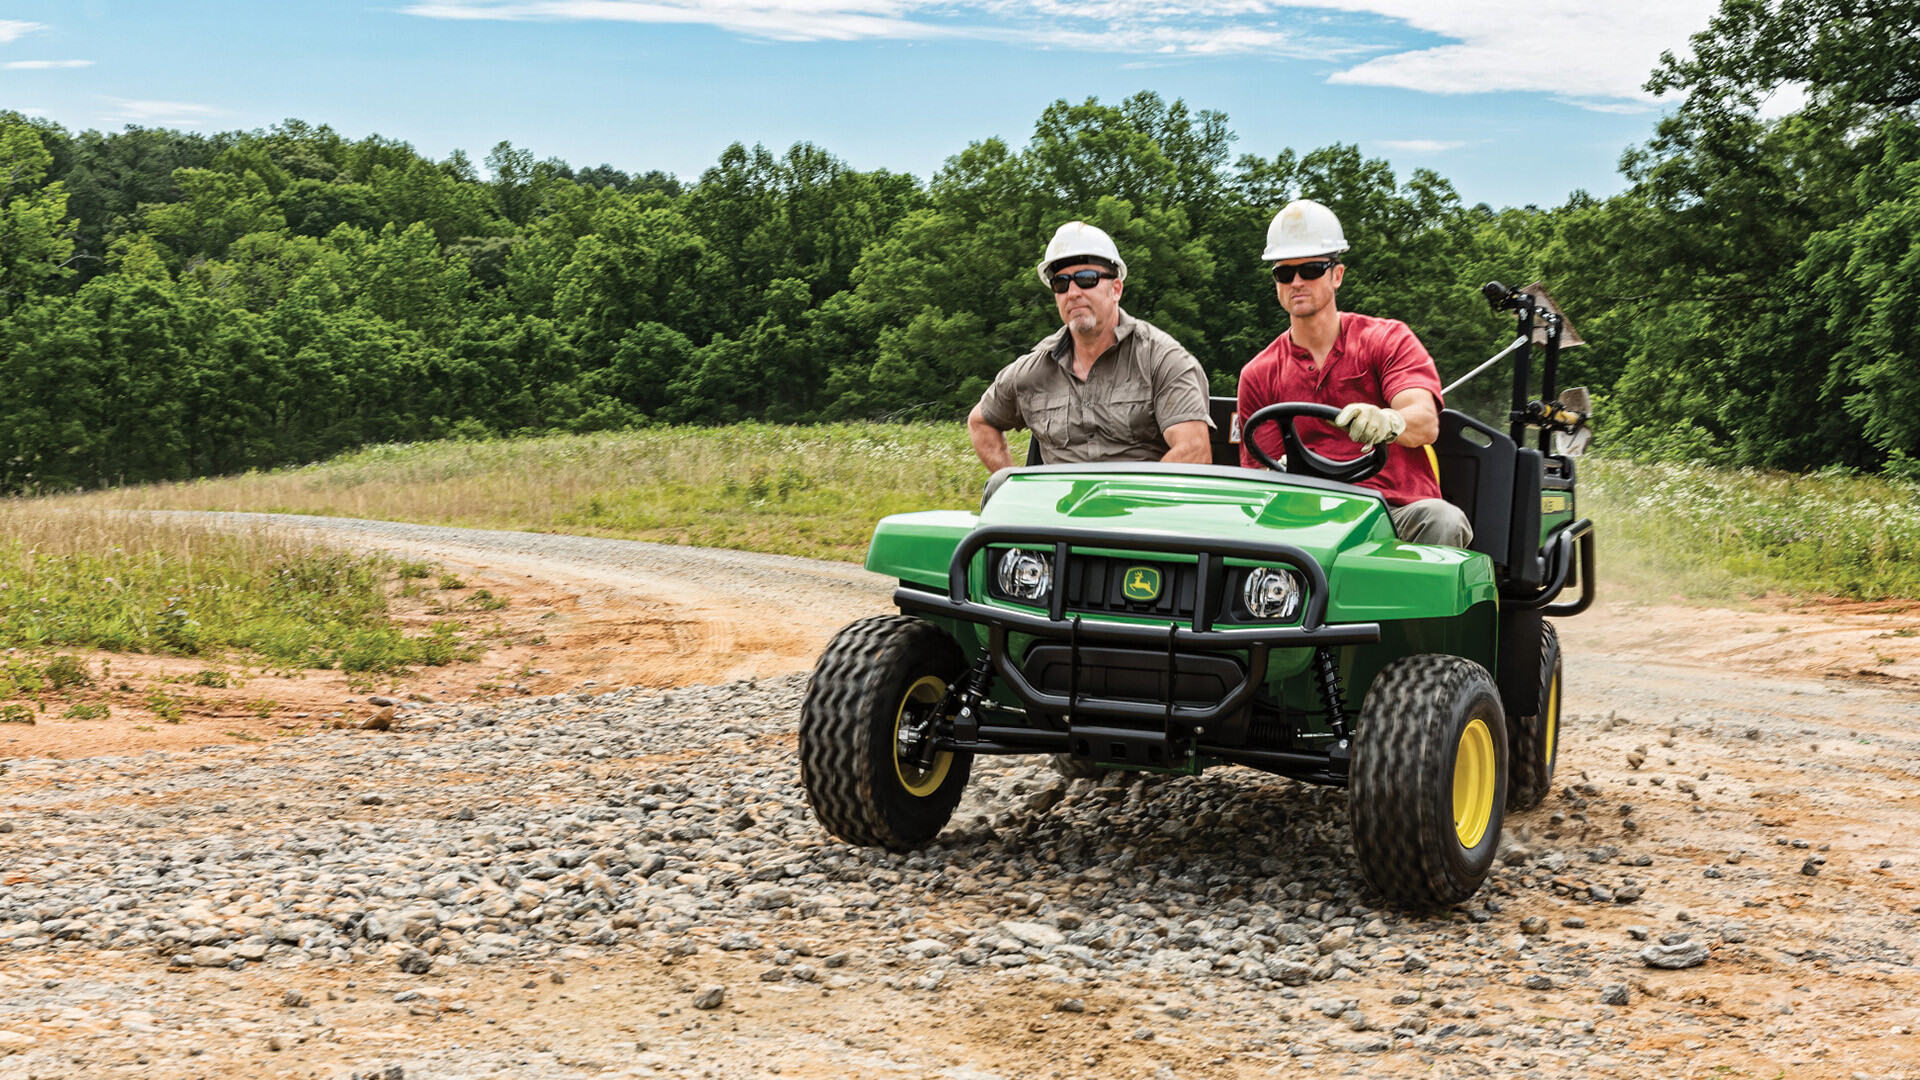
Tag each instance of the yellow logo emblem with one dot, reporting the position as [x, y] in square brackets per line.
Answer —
[1142, 583]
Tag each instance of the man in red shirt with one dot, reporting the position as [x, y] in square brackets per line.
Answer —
[1373, 370]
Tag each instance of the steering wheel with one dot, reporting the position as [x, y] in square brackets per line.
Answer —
[1300, 460]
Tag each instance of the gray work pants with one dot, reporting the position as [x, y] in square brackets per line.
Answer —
[1431, 521]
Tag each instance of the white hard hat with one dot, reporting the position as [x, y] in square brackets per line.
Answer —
[1079, 238]
[1302, 229]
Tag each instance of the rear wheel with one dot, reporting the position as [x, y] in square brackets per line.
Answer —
[1536, 739]
[1429, 780]
[878, 685]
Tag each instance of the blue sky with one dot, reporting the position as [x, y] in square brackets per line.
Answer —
[900, 84]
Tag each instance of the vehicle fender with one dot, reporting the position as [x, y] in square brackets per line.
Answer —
[917, 547]
[1384, 579]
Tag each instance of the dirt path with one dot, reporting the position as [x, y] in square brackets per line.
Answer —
[1734, 751]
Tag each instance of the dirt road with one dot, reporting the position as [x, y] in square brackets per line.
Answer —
[1749, 779]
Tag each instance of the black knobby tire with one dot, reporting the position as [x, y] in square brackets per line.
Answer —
[848, 764]
[1416, 737]
[1536, 739]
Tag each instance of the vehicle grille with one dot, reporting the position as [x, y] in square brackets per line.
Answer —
[1094, 586]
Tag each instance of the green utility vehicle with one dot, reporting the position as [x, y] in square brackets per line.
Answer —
[1176, 617]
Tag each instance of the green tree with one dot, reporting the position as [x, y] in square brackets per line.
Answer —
[34, 243]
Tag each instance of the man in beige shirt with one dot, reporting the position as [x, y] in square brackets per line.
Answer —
[1106, 386]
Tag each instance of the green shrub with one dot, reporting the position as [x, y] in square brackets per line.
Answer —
[164, 705]
[64, 671]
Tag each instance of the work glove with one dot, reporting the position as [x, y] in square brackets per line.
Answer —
[1369, 425]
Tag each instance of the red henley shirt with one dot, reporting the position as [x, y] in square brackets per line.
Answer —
[1372, 361]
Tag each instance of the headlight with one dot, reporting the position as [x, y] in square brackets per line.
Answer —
[1026, 575]
[1273, 593]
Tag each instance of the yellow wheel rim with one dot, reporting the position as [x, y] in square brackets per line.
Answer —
[1553, 720]
[1474, 775]
[921, 783]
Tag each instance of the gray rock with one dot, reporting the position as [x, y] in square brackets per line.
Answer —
[1035, 934]
[1614, 994]
[1683, 955]
[211, 956]
[710, 997]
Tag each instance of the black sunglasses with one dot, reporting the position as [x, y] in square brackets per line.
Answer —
[1086, 279]
[1312, 271]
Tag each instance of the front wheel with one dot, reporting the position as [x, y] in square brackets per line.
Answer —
[1429, 780]
[879, 678]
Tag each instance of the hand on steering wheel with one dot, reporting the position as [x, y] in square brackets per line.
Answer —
[1300, 460]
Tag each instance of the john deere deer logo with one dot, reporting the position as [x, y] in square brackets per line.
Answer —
[1142, 583]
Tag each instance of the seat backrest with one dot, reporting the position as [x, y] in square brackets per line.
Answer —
[1525, 568]
[1226, 430]
[1476, 474]
[1497, 485]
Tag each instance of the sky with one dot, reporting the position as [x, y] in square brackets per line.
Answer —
[1513, 103]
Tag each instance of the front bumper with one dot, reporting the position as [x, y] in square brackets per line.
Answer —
[1177, 721]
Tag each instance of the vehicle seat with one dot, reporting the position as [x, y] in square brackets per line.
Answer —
[1497, 485]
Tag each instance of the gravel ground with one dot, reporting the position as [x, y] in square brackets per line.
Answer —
[670, 825]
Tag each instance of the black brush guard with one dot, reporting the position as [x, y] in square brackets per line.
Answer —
[1132, 732]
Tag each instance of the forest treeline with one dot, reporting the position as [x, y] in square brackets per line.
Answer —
[176, 304]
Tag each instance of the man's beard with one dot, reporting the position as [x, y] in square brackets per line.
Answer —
[1083, 322]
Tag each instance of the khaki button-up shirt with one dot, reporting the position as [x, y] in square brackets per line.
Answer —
[1142, 385]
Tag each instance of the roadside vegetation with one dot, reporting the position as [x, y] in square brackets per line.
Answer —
[1695, 531]
[135, 584]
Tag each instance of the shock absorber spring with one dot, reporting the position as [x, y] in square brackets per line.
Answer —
[1330, 692]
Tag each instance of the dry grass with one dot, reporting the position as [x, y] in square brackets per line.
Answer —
[813, 491]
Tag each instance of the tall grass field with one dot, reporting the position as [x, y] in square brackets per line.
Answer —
[1665, 530]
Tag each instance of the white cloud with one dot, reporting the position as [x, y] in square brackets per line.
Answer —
[1198, 28]
[783, 20]
[14, 30]
[1592, 53]
[45, 65]
[1786, 98]
[140, 112]
[1422, 146]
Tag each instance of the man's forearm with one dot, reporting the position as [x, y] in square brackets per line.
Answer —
[989, 442]
[1423, 420]
[1190, 441]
